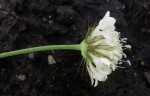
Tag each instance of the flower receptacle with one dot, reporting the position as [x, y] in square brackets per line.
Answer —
[84, 48]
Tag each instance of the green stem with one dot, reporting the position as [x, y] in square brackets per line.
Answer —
[41, 48]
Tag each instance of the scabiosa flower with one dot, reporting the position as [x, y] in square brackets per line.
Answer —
[103, 49]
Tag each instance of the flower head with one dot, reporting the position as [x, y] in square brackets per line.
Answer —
[103, 49]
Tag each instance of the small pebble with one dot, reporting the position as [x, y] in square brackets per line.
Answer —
[142, 63]
[21, 77]
[117, 7]
[49, 16]
[22, 27]
[44, 19]
[53, 51]
[50, 21]
[51, 60]
[145, 6]
[74, 28]
[51, 86]
[123, 6]
[3, 69]
[135, 74]
[31, 55]
[107, 1]
[147, 76]
[90, 13]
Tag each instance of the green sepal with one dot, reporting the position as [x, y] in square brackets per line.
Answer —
[84, 51]
[105, 47]
[97, 38]
[89, 31]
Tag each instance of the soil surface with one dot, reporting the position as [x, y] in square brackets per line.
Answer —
[30, 23]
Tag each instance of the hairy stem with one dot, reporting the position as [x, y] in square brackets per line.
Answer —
[41, 48]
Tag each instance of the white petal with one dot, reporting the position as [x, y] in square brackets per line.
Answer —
[129, 62]
[99, 61]
[96, 83]
[107, 21]
[127, 46]
[113, 66]
[107, 14]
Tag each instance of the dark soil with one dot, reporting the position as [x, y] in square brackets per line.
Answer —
[30, 23]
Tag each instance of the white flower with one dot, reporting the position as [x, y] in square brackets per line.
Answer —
[103, 49]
